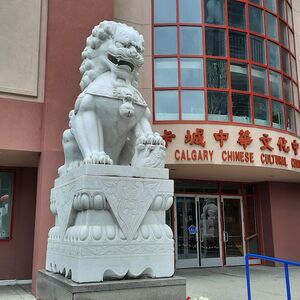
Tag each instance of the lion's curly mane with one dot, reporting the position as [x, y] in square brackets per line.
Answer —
[90, 69]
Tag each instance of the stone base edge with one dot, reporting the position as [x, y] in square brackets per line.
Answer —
[52, 286]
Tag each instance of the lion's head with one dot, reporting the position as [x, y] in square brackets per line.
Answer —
[112, 47]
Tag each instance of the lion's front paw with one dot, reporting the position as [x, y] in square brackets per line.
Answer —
[151, 139]
[98, 158]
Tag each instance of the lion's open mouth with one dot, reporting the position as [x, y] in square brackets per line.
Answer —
[120, 62]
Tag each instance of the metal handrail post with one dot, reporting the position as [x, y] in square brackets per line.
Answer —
[248, 277]
[287, 281]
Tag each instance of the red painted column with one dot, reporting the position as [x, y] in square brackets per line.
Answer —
[69, 25]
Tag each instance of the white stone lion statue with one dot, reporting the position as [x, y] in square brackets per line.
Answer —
[110, 123]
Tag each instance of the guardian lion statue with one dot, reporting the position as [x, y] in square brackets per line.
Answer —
[110, 123]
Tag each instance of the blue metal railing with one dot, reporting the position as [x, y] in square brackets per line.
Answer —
[286, 264]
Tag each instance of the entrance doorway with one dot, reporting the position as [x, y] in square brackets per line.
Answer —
[209, 231]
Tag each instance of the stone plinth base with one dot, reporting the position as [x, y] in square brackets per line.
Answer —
[56, 287]
[110, 224]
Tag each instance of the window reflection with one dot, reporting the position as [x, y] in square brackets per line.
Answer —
[215, 42]
[192, 105]
[290, 118]
[192, 72]
[241, 111]
[165, 40]
[6, 198]
[277, 115]
[190, 11]
[217, 106]
[165, 11]
[258, 51]
[259, 80]
[261, 111]
[238, 44]
[166, 105]
[274, 55]
[166, 72]
[191, 40]
[214, 12]
[276, 84]
[272, 27]
[239, 76]
[236, 14]
[256, 19]
[216, 73]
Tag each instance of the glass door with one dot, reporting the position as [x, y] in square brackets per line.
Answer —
[210, 244]
[187, 232]
[234, 241]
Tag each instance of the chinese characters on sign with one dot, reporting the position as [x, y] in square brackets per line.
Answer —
[197, 139]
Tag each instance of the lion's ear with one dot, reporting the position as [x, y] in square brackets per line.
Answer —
[142, 42]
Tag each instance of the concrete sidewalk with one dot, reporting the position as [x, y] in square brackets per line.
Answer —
[215, 283]
[229, 283]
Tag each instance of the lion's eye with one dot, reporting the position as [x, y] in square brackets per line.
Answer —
[118, 44]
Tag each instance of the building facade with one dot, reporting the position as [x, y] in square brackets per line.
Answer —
[221, 79]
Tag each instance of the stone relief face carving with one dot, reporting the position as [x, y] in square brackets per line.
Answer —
[110, 123]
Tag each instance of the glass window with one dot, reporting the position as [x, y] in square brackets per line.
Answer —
[281, 9]
[166, 105]
[292, 41]
[216, 73]
[276, 84]
[277, 115]
[192, 72]
[192, 105]
[259, 80]
[6, 202]
[190, 11]
[296, 95]
[294, 68]
[298, 122]
[165, 40]
[272, 27]
[214, 12]
[164, 11]
[238, 45]
[258, 53]
[166, 72]
[285, 61]
[284, 34]
[241, 111]
[287, 86]
[236, 14]
[261, 111]
[271, 5]
[290, 118]
[290, 15]
[239, 76]
[191, 40]
[215, 42]
[274, 55]
[217, 106]
[256, 19]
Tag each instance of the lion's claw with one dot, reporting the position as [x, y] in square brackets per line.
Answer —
[98, 158]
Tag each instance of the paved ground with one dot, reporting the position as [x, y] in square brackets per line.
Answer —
[16, 292]
[215, 283]
[267, 283]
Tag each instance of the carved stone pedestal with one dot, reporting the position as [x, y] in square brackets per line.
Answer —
[55, 287]
[110, 224]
